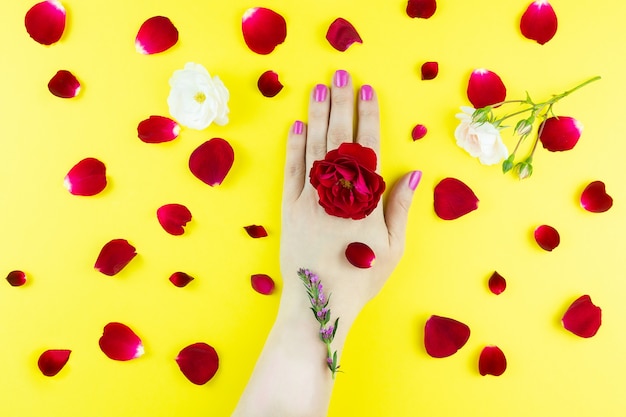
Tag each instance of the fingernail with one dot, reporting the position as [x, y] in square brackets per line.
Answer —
[414, 179]
[320, 92]
[341, 78]
[367, 92]
[298, 127]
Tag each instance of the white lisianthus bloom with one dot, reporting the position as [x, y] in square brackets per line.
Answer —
[196, 99]
[480, 140]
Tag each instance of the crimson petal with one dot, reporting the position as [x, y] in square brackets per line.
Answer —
[120, 343]
[485, 88]
[422, 9]
[360, 255]
[114, 256]
[269, 85]
[539, 22]
[491, 361]
[155, 35]
[255, 231]
[341, 34]
[16, 278]
[263, 284]
[595, 198]
[454, 199]
[198, 362]
[263, 29]
[64, 85]
[158, 129]
[560, 133]
[180, 279]
[430, 70]
[52, 361]
[547, 237]
[173, 218]
[418, 132]
[45, 22]
[211, 161]
[583, 318]
[86, 178]
[444, 336]
[497, 283]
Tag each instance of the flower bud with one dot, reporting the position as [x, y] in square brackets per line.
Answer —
[524, 169]
[560, 133]
[524, 126]
[481, 115]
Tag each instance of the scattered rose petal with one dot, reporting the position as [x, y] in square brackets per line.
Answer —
[418, 132]
[180, 279]
[16, 278]
[52, 361]
[583, 318]
[263, 284]
[360, 255]
[497, 283]
[547, 237]
[198, 362]
[211, 161]
[453, 199]
[560, 133]
[45, 22]
[114, 256]
[539, 22]
[595, 198]
[120, 343]
[86, 178]
[256, 231]
[263, 29]
[422, 9]
[485, 88]
[64, 85]
[268, 84]
[158, 129]
[155, 35]
[173, 218]
[430, 70]
[492, 361]
[341, 34]
[444, 336]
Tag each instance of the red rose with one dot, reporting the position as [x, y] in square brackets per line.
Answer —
[346, 181]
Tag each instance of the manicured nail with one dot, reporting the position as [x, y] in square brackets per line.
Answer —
[414, 179]
[298, 127]
[320, 92]
[341, 78]
[367, 92]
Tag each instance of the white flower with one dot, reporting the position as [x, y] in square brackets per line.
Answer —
[480, 140]
[196, 99]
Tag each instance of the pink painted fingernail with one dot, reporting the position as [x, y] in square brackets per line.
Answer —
[367, 92]
[414, 179]
[320, 92]
[341, 78]
[298, 127]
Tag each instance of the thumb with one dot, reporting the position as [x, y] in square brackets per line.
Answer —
[397, 209]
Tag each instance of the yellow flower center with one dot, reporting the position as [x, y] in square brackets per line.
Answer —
[200, 97]
[345, 184]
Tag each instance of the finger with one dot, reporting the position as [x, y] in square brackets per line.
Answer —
[295, 171]
[368, 129]
[319, 109]
[341, 111]
[397, 210]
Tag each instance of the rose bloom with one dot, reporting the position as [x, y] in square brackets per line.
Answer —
[196, 99]
[346, 181]
[480, 140]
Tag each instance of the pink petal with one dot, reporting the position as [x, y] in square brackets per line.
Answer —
[86, 178]
[423, 9]
[180, 279]
[341, 34]
[430, 70]
[198, 362]
[158, 129]
[547, 237]
[255, 231]
[539, 22]
[114, 256]
[360, 255]
[595, 199]
[211, 161]
[155, 35]
[485, 88]
[45, 22]
[263, 29]
[64, 85]
[583, 318]
[453, 199]
[418, 132]
[173, 218]
[492, 361]
[497, 283]
[52, 361]
[120, 343]
[268, 84]
[263, 284]
[16, 278]
[560, 133]
[444, 336]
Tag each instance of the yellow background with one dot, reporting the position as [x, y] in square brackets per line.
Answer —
[55, 237]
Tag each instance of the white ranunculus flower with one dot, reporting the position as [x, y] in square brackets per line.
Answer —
[196, 99]
[480, 140]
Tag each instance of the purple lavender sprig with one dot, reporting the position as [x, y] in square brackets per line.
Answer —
[319, 306]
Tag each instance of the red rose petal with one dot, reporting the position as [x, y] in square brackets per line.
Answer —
[341, 34]
[120, 343]
[114, 256]
[547, 237]
[492, 361]
[255, 231]
[155, 35]
[595, 199]
[539, 22]
[263, 29]
[211, 161]
[52, 361]
[263, 284]
[360, 255]
[45, 22]
[268, 84]
[64, 85]
[497, 283]
[418, 132]
[86, 178]
[430, 70]
[198, 362]
[173, 218]
[583, 318]
[180, 279]
[485, 88]
[560, 133]
[444, 336]
[16, 278]
[422, 9]
[453, 199]
[158, 129]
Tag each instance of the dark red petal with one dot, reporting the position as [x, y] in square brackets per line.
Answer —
[560, 133]
[114, 256]
[454, 199]
[198, 362]
[341, 34]
[485, 88]
[256, 231]
[64, 85]
[430, 70]
[180, 279]
[583, 318]
[364, 155]
[263, 284]
[211, 161]
[497, 283]
[547, 237]
[52, 361]
[539, 22]
[158, 129]
[492, 361]
[595, 199]
[444, 336]
[268, 84]
[45, 22]
[16, 278]
[155, 35]
[173, 218]
[360, 255]
[263, 29]
[86, 178]
[120, 343]
[421, 8]
[418, 132]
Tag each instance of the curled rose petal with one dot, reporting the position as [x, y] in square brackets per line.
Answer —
[155, 35]
[418, 132]
[120, 343]
[64, 85]
[263, 29]
[583, 318]
[560, 133]
[263, 284]
[547, 237]
[45, 22]
[158, 129]
[86, 178]
[341, 34]
[422, 9]
[114, 256]
[16, 278]
[269, 85]
[52, 361]
[255, 231]
[453, 199]
[595, 198]
[180, 279]
[430, 70]
[497, 283]
[211, 161]
[539, 22]
[173, 218]
[444, 336]
[485, 88]
[360, 255]
[198, 362]
[491, 361]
